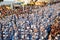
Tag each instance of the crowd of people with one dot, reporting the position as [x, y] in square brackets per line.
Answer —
[55, 29]
[32, 24]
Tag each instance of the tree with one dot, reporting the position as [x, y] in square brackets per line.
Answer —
[1, 0]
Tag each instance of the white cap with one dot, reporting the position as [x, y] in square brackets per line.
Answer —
[56, 38]
[58, 35]
[28, 27]
[15, 34]
[42, 37]
[22, 36]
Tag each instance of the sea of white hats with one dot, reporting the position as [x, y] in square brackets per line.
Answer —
[34, 26]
